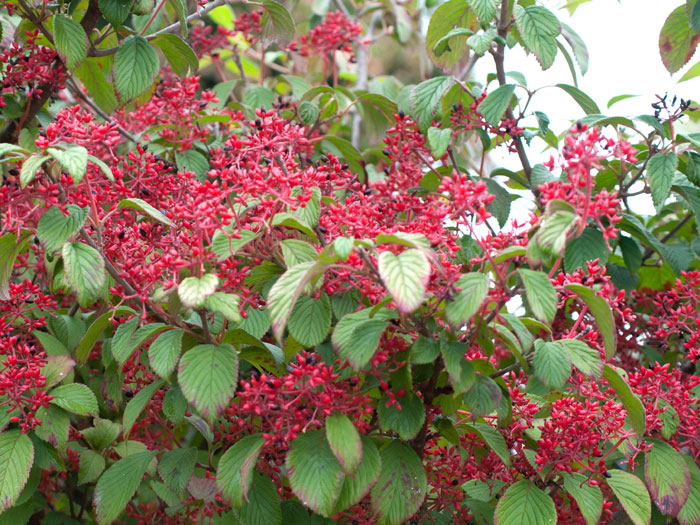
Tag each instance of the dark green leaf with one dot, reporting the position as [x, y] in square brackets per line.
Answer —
[177, 52]
[524, 502]
[71, 40]
[495, 104]
[135, 66]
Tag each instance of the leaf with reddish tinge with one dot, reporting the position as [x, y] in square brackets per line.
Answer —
[668, 477]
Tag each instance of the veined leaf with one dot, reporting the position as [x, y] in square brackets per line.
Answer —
[344, 440]
[76, 398]
[145, 208]
[405, 276]
[54, 229]
[541, 295]
[234, 475]
[466, 302]
[194, 291]
[85, 271]
[668, 477]
[135, 66]
[524, 502]
[16, 457]
[660, 170]
[495, 104]
[589, 498]
[70, 38]
[632, 494]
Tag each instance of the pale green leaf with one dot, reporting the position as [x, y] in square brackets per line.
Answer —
[84, 271]
[145, 208]
[310, 320]
[589, 498]
[551, 363]
[16, 458]
[632, 494]
[344, 440]
[54, 229]
[194, 291]
[234, 473]
[541, 295]
[405, 276]
[473, 289]
[76, 398]
[496, 103]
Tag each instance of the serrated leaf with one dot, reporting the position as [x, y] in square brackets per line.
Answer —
[481, 41]
[357, 335]
[552, 235]
[439, 141]
[443, 45]
[448, 16]
[92, 465]
[234, 473]
[660, 170]
[226, 304]
[424, 350]
[668, 477]
[541, 295]
[343, 247]
[523, 502]
[74, 159]
[102, 434]
[483, 397]
[277, 24]
[494, 439]
[601, 312]
[137, 404]
[314, 472]
[180, 8]
[402, 484]
[54, 428]
[118, 485]
[11, 246]
[551, 364]
[578, 46]
[632, 494]
[354, 488]
[308, 112]
[586, 103]
[285, 292]
[29, 168]
[690, 513]
[460, 371]
[16, 458]
[84, 271]
[406, 422]
[208, 375]
[263, 505]
[538, 28]
[586, 359]
[135, 66]
[75, 398]
[495, 104]
[224, 246]
[484, 9]
[405, 276]
[56, 369]
[677, 40]
[194, 291]
[115, 11]
[635, 408]
[146, 209]
[127, 338]
[176, 468]
[310, 320]
[70, 39]
[345, 442]
[425, 98]
[589, 498]
[590, 245]
[54, 229]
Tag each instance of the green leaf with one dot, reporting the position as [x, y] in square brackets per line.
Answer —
[496, 103]
[586, 359]
[668, 477]
[16, 458]
[137, 404]
[234, 473]
[146, 209]
[660, 170]
[314, 472]
[347, 151]
[277, 24]
[632, 494]
[194, 291]
[677, 41]
[135, 66]
[541, 295]
[356, 335]
[295, 251]
[226, 304]
[443, 45]
[538, 28]
[439, 141]
[524, 503]
[603, 315]
[180, 8]
[92, 465]
[208, 375]
[102, 434]
[259, 97]
[84, 271]
[30, 167]
[176, 468]
[192, 160]
[345, 442]
[552, 235]
[587, 104]
[11, 246]
[263, 505]
[402, 484]
[224, 245]
[118, 485]
[494, 439]
[484, 9]
[308, 112]
[460, 371]
[481, 41]
[74, 159]
[451, 15]
[405, 276]
[310, 320]
[406, 422]
[127, 338]
[115, 11]
[54, 426]
[483, 397]
[589, 498]
[54, 229]
[343, 247]
[590, 245]
[634, 407]
[578, 46]
[76, 398]
[551, 363]
[424, 350]
[425, 98]
[690, 513]
[56, 369]
[70, 39]
[354, 488]
[92, 73]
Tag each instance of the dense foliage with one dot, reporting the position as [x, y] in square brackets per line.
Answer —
[257, 267]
